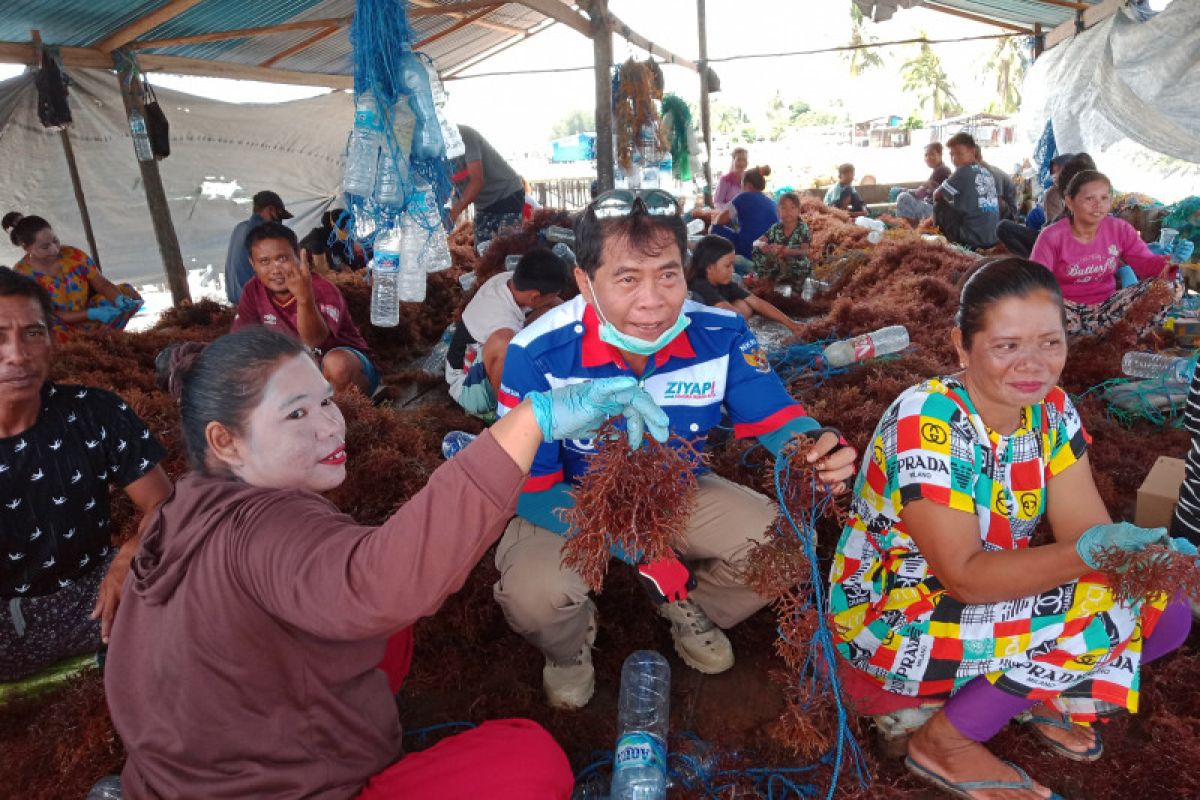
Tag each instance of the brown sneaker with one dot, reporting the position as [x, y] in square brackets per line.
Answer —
[570, 684]
[698, 640]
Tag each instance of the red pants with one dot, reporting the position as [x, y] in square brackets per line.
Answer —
[504, 759]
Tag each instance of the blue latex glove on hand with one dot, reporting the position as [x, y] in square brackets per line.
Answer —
[1123, 535]
[577, 411]
[1184, 249]
[103, 314]
[1159, 250]
[1185, 546]
[667, 580]
[127, 303]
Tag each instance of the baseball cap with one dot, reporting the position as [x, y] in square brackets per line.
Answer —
[268, 199]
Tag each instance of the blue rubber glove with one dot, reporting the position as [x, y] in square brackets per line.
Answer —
[103, 314]
[577, 411]
[1123, 535]
[1185, 546]
[127, 303]
[1159, 250]
[1184, 249]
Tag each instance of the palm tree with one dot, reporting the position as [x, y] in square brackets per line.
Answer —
[924, 77]
[863, 58]
[1008, 62]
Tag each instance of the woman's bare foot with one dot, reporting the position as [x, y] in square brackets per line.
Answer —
[940, 748]
[1078, 738]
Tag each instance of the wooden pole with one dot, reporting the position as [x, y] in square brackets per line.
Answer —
[156, 196]
[705, 114]
[77, 185]
[602, 49]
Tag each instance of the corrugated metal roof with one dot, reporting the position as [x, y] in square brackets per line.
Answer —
[77, 23]
[1019, 12]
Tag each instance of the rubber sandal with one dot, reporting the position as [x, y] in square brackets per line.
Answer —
[963, 789]
[1064, 723]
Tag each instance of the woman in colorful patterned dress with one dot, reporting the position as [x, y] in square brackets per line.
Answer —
[936, 590]
[82, 298]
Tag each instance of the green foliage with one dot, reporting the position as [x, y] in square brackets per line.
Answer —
[1007, 61]
[923, 76]
[865, 58]
[581, 120]
[913, 122]
[726, 119]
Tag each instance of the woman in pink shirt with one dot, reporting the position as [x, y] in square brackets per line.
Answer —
[1084, 251]
[730, 184]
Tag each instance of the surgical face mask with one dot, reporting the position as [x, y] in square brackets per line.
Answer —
[632, 344]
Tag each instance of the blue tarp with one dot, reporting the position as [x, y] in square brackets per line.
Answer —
[576, 147]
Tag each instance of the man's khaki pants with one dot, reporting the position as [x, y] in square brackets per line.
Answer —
[547, 604]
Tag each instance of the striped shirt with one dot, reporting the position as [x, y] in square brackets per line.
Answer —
[1187, 512]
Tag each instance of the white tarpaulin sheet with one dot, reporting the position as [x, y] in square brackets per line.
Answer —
[1122, 79]
[221, 154]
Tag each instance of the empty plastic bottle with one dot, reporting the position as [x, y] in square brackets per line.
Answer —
[451, 138]
[1156, 365]
[467, 281]
[362, 148]
[107, 788]
[141, 139]
[411, 285]
[891, 339]
[392, 179]
[556, 233]
[809, 291]
[870, 224]
[427, 134]
[510, 262]
[648, 148]
[565, 253]
[454, 441]
[385, 278]
[640, 760]
[436, 253]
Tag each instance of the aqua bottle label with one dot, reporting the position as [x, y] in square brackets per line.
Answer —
[640, 750]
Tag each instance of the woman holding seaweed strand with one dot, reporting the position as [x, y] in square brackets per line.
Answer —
[244, 660]
[936, 590]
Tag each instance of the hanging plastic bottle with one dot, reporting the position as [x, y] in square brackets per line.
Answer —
[556, 233]
[1157, 365]
[648, 147]
[451, 138]
[362, 148]
[882, 342]
[436, 253]
[427, 135]
[511, 261]
[141, 139]
[455, 441]
[643, 719]
[412, 281]
[385, 277]
[107, 788]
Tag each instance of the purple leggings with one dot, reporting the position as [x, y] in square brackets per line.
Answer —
[979, 710]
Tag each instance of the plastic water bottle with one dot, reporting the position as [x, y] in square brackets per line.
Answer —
[435, 362]
[565, 253]
[511, 261]
[385, 278]
[451, 138]
[412, 278]
[809, 291]
[455, 441]
[467, 281]
[870, 223]
[556, 234]
[362, 148]
[436, 254]
[107, 788]
[640, 760]
[141, 139]
[891, 339]
[393, 178]
[1156, 365]
[427, 134]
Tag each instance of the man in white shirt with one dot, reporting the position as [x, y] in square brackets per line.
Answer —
[502, 307]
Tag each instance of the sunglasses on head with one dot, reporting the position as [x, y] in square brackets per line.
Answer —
[623, 202]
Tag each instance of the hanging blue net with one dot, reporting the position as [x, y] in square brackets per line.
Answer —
[1044, 153]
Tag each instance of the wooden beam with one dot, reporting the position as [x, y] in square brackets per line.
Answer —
[454, 71]
[463, 22]
[561, 12]
[434, 9]
[954, 12]
[319, 36]
[602, 60]
[428, 9]
[705, 114]
[242, 33]
[621, 29]
[143, 24]
[1092, 16]
[1072, 4]
[91, 58]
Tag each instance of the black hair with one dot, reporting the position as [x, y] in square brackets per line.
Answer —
[221, 382]
[1061, 160]
[1082, 178]
[14, 284]
[1078, 163]
[935, 147]
[791, 197]
[995, 280]
[540, 270]
[22, 230]
[271, 230]
[756, 177]
[648, 233]
[962, 139]
[709, 251]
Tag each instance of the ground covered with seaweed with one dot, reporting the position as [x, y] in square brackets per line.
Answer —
[470, 667]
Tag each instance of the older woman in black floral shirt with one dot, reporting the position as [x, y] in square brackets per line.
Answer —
[782, 252]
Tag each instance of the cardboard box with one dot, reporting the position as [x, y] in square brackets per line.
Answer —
[1158, 494]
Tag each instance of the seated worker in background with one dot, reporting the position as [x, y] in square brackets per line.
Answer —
[633, 319]
[330, 246]
[781, 255]
[710, 280]
[267, 207]
[483, 177]
[729, 185]
[1019, 239]
[61, 447]
[843, 195]
[284, 295]
[1084, 251]
[81, 298]
[966, 208]
[500, 308]
[753, 211]
[938, 591]
[918, 204]
[246, 660]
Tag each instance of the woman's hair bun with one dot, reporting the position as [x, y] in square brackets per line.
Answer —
[764, 170]
[11, 219]
[172, 364]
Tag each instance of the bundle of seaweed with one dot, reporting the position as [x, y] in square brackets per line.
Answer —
[637, 500]
[638, 85]
[833, 230]
[1150, 574]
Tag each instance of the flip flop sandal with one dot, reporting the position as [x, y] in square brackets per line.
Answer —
[1093, 753]
[963, 789]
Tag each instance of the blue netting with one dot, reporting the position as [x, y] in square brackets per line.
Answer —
[1044, 153]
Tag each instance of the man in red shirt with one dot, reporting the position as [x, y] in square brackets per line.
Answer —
[284, 294]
